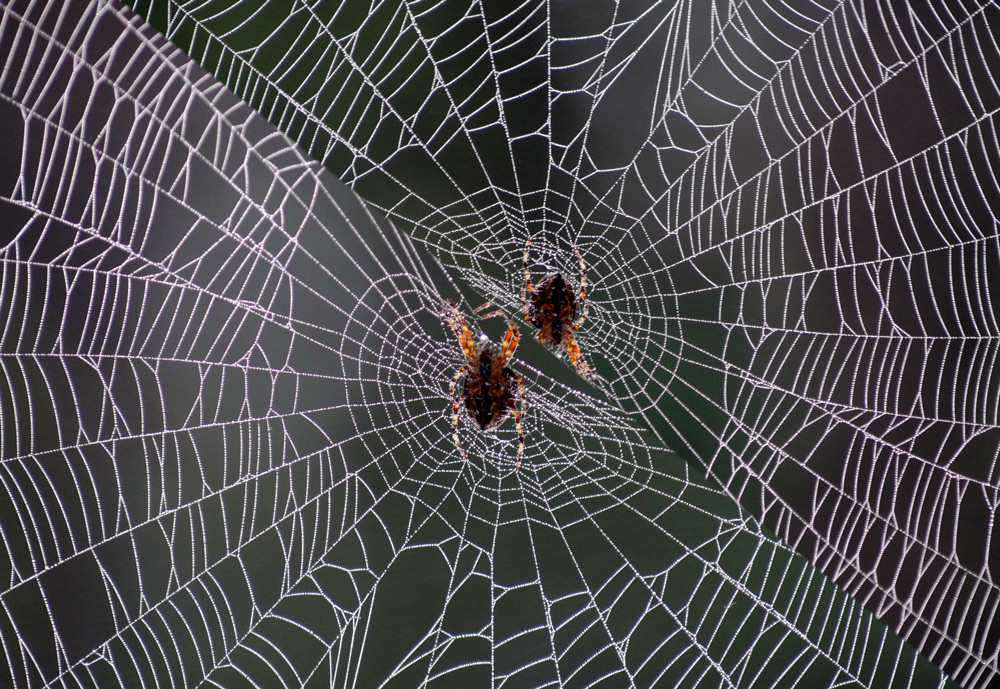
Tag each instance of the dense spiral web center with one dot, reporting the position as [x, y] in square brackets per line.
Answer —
[226, 441]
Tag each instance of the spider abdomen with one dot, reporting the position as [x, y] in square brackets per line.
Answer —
[488, 393]
[487, 404]
[553, 305]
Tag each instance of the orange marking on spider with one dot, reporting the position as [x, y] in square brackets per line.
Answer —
[575, 355]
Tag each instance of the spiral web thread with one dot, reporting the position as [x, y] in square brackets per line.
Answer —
[789, 219]
[226, 446]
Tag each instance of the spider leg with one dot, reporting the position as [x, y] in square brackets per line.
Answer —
[526, 287]
[575, 355]
[454, 408]
[508, 345]
[491, 314]
[517, 422]
[583, 289]
[461, 330]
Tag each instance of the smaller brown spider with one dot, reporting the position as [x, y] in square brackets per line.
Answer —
[485, 383]
[551, 307]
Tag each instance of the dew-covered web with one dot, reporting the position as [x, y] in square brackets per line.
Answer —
[226, 428]
[226, 435]
[789, 216]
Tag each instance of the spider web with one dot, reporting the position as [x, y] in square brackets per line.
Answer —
[226, 435]
[226, 427]
[789, 218]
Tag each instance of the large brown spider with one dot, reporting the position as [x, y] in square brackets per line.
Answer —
[485, 383]
[551, 307]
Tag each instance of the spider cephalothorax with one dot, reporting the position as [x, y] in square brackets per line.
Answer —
[486, 385]
[551, 306]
